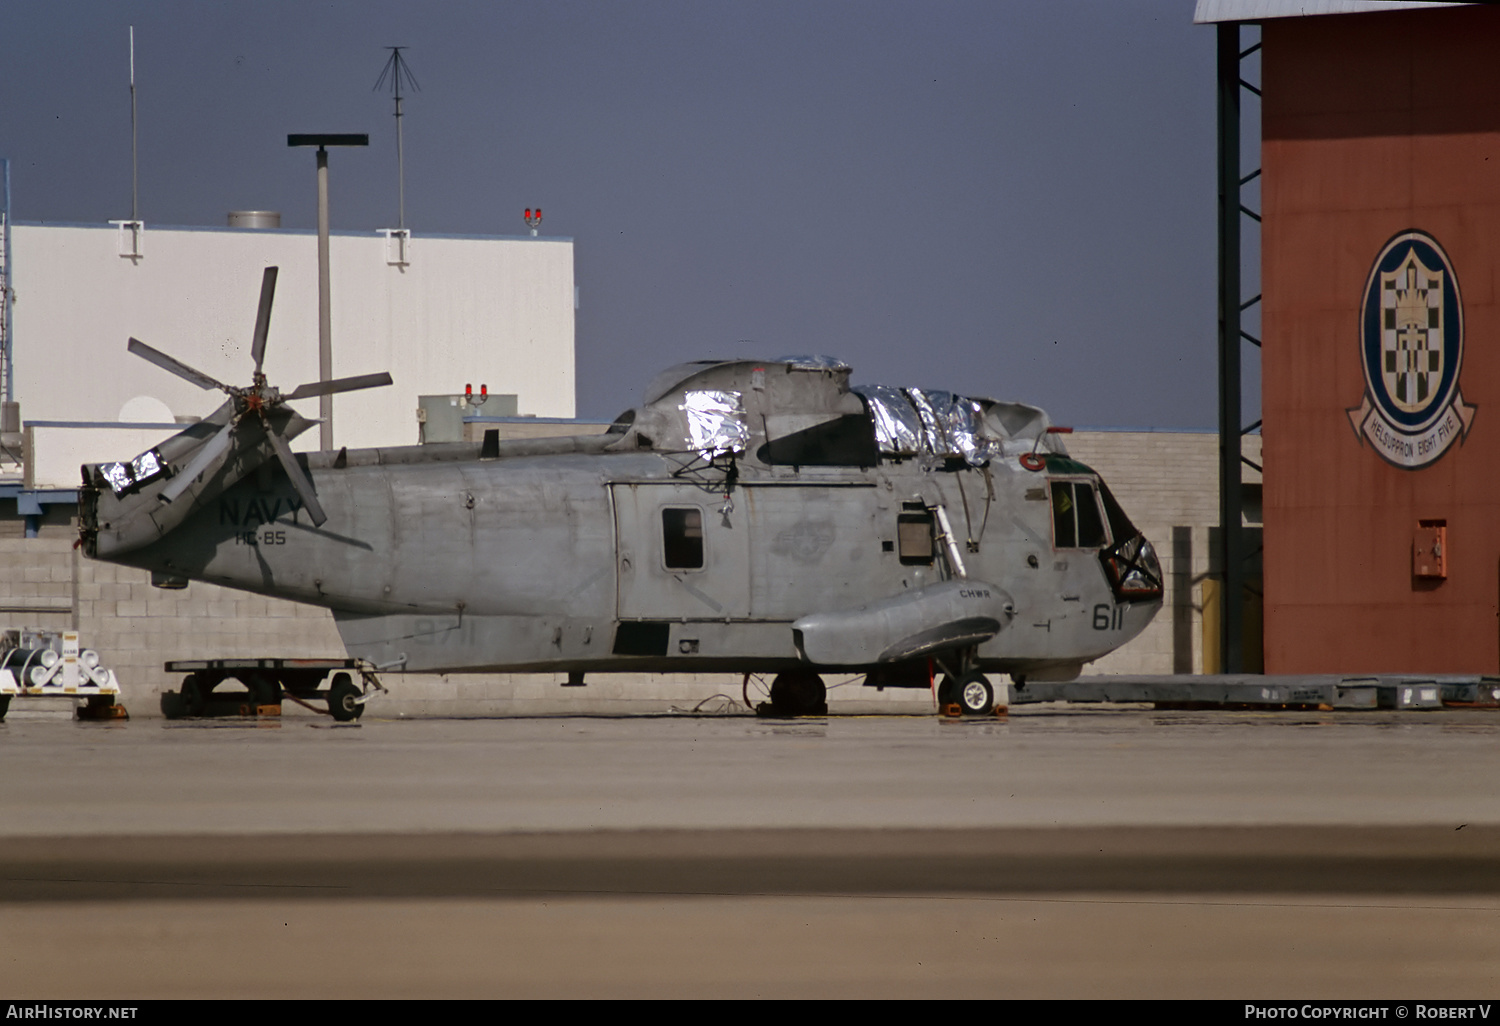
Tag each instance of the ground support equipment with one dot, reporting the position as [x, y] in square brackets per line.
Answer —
[39, 663]
[266, 683]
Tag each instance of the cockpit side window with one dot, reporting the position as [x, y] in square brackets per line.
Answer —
[1076, 519]
[682, 538]
[1090, 525]
[1064, 520]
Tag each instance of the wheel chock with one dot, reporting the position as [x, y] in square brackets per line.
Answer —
[952, 710]
[107, 710]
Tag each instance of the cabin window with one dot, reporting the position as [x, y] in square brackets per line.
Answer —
[1076, 520]
[914, 538]
[682, 538]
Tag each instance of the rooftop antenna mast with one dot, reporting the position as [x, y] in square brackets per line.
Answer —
[130, 231]
[135, 206]
[398, 74]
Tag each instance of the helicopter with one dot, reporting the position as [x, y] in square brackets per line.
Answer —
[749, 516]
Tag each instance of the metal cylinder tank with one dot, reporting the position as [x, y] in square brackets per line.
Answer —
[255, 219]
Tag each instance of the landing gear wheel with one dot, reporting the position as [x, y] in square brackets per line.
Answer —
[975, 695]
[343, 699]
[971, 694]
[4, 705]
[798, 693]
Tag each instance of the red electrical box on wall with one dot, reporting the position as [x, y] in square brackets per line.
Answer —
[1429, 550]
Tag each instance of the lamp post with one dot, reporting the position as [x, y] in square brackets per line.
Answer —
[325, 306]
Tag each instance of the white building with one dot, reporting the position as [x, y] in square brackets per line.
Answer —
[492, 310]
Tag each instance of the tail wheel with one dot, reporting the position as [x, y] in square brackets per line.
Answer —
[343, 699]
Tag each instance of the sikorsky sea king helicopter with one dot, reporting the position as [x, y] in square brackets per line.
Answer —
[749, 516]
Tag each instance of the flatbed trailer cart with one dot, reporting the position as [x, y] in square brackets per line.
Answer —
[266, 683]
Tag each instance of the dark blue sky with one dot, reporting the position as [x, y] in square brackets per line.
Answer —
[1012, 199]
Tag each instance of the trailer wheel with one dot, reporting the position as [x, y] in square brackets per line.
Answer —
[343, 698]
[172, 705]
[194, 698]
[264, 689]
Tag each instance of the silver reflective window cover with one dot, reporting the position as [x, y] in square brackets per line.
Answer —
[898, 428]
[715, 421]
[815, 361]
[118, 476]
[915, 421]
[930, 407]
[146, 466]
[123, 476]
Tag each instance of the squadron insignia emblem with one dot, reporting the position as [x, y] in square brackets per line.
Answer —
[1411, 344]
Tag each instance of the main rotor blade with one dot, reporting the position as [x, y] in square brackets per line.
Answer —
[299, 479]
[263, 317]
[176, 366]
[313, 388]
[212, 450]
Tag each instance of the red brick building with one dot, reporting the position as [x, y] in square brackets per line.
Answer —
[1381, 333]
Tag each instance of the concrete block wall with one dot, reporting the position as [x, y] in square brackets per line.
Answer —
[135, 628]
[1168, 483]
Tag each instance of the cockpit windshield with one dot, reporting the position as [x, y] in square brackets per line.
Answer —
[1130, 563]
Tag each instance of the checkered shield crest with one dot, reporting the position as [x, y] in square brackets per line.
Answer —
[1411, 300]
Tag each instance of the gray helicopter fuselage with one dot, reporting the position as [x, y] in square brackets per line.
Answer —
[616, 553]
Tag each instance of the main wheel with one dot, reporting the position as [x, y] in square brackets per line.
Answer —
[343, 699]
[4, 705]
[975, 695]
[799, 693]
